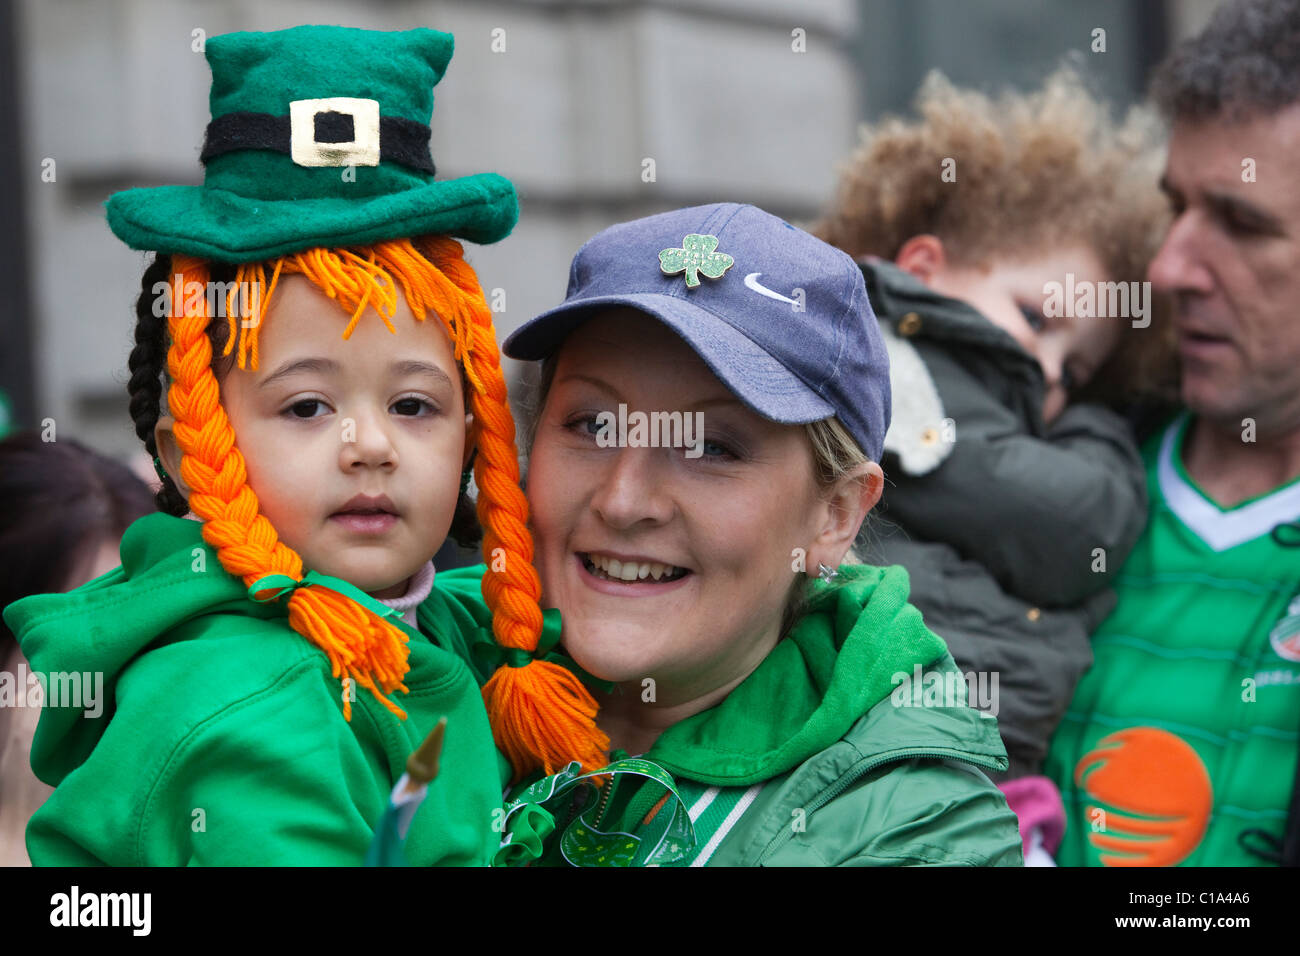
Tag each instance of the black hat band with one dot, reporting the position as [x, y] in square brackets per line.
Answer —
[400, 140]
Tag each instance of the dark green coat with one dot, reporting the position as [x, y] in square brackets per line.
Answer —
[1010, 530]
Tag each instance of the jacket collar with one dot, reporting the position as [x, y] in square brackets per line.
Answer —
[896, 294]
[841, 660]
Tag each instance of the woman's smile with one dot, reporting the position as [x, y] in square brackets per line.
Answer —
[628, 576]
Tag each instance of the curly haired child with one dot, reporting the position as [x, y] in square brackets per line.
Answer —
[984, 228]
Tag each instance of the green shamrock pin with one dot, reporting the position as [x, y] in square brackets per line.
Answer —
[696, 255]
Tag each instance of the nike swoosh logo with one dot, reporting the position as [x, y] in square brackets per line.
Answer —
[751, 282]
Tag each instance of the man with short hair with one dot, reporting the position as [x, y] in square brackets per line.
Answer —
[1180, 744]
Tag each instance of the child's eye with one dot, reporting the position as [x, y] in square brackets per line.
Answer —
[310, 403]
[1033, 316]
[413, 406]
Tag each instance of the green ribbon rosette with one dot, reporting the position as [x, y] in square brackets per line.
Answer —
[587, 840]
[282, 583]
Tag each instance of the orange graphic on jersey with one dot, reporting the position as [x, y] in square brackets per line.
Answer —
[1288, 648]
[1156, 792]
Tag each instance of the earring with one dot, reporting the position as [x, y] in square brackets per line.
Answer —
[825, 573]
[158, 468]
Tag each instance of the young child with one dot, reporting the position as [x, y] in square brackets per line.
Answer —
[250, 660]
[1009, 504]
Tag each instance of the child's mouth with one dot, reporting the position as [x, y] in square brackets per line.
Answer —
[365, 522]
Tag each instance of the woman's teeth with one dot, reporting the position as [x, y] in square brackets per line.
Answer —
[616, 570]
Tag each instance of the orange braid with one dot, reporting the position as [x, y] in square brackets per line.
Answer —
[541, 714]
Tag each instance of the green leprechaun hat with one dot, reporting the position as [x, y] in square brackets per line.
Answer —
[319, 137]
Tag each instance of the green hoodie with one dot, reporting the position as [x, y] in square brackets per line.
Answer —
[222, 740]
[846, 763]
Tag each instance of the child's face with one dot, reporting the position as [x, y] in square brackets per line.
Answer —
[1010, 293]
[385, 418]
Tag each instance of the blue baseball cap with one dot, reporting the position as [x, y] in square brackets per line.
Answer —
[779, 316]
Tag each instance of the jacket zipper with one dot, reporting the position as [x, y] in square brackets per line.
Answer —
[862, 770]
[604, 799]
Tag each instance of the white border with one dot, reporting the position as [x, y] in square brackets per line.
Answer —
[1220, 530]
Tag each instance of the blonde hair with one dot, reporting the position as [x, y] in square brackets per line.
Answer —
[835, 454]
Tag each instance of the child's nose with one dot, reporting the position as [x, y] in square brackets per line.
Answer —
[366, 442]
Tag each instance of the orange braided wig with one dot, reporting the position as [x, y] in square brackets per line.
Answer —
[541, 714]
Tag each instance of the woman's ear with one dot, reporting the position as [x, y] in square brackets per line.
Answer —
[923, 256]
[847, 504]
[169, 452]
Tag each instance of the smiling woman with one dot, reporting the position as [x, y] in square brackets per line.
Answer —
[750, 671]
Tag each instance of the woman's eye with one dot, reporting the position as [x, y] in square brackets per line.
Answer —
[716, 449]
[1033, 317]
[583, 425]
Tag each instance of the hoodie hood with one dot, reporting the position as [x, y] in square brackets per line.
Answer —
[168, 575]
[839, 661]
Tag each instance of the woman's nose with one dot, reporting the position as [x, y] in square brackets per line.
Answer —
[634, 487]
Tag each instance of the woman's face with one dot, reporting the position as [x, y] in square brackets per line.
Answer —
[724, 524]
[322, 420]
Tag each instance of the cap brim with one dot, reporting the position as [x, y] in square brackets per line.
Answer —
[757, 379]
[222, 225]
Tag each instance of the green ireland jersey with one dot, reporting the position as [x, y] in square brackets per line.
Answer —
[1179, 747]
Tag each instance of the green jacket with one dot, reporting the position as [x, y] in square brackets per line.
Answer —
[854, 769]
[1012, 531]
[221, 737]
